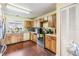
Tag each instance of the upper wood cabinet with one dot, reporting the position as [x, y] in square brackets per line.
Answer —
[52, 21]
[41, 19]
[35, 23]
[38, 23]
[46, 18]
[28, 24]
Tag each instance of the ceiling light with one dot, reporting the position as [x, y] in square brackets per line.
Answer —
[17, 9]
[27, 9]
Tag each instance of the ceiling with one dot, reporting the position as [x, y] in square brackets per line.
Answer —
[38, 9]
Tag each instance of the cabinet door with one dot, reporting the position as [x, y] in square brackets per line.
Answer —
[35, 23]
[27, 24]
[50, 22]
[54, 20]
[38, 23]
[7, 39]
[32, 24]
[47, 42]
[53, 45]
[35, 38]
[31, 36]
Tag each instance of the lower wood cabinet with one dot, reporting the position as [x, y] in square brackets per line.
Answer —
[47, 42]
[13, 38]
[53, 45]
[34, 37]
[50, 43]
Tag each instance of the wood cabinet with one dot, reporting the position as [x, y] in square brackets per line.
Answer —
[7, 39]
[28, 24]
[38, 23]
[46, 18]
[35, 23]
[47, 42]
[13, 38]
[34, 37]
[50, 43]
[53, 45]
[52, 21]
[41, 19]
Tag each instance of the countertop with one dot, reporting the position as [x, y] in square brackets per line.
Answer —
[15, 33]
[51, 35]
[54, 35]
[33, 32]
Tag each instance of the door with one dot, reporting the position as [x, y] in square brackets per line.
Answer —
[68, 19]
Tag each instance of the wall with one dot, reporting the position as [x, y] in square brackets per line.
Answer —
[58, 7]
[53, 12]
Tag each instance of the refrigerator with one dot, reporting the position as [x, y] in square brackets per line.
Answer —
[1, 29]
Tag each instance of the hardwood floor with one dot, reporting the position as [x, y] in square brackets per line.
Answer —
[27, 48]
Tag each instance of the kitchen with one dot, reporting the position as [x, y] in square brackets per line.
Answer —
[47, 23]
[25, 30]
[39, 30]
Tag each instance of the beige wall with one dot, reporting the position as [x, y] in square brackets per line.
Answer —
[58, 7]
[53, 12]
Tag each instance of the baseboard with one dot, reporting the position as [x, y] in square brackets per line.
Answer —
[50, 50]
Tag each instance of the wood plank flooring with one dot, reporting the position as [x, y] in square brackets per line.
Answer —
[27, 48]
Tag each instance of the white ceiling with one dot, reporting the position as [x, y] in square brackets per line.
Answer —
[38, 9]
